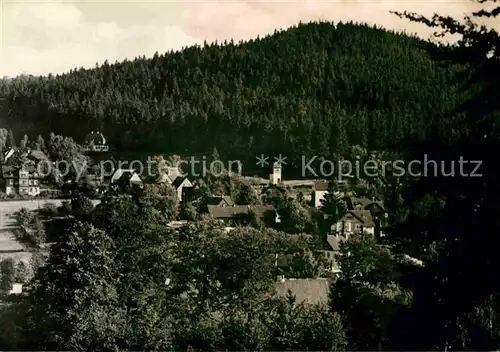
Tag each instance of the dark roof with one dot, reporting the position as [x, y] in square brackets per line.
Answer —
[365, 203]
[125, 176]
[335, 241]
[178, 181]
[320, 185]
[11, 171]
[216, 200]
[229, 212]
[95, 137]
[364, 217]
[310, 291]
[8, 171]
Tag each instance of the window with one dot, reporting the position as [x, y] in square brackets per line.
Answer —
[348, 226]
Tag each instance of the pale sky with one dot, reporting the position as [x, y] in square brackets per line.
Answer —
[41, 37]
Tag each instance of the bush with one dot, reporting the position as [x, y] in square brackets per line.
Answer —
[49, 209]
[21, 272]
[31, 231]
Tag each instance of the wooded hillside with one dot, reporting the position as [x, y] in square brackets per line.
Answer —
[308, 90]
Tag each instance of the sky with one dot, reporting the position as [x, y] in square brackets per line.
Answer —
[40, 37]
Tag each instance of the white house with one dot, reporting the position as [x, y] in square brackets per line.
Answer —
[25, 181]
[319, 191]
[29, 183]
[181, 185]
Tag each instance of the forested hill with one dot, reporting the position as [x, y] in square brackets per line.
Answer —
[310, 89]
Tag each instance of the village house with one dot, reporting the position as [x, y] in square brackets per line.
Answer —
[183, 188]
[362, 203]
[375, 207]
[319, 190]
[95, 142]
[232, 214]
[171, 174]
[355, 222]
[330, 253]
[174, 177]
[125, 178]
[218, 201]
[23, 181]
[333, 250]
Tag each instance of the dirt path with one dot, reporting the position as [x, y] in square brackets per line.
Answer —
[9, 246]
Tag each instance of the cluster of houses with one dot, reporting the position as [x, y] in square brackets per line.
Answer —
[363, 215]
[25, 179]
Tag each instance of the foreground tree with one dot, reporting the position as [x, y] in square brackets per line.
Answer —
[74, 299]
[368, 295]
[461, 229]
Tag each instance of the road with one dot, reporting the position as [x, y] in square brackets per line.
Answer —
[9, 247]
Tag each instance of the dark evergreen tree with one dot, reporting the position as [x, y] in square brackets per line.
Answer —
[455, 217]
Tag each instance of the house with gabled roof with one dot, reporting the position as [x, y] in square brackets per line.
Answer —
[375, 207]
[363, 203]
[174, 176]
[218, 201]
[95, 142]
[355, 222]
[24, 180]
[320, 189]
[183, 188]
[125, 178]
